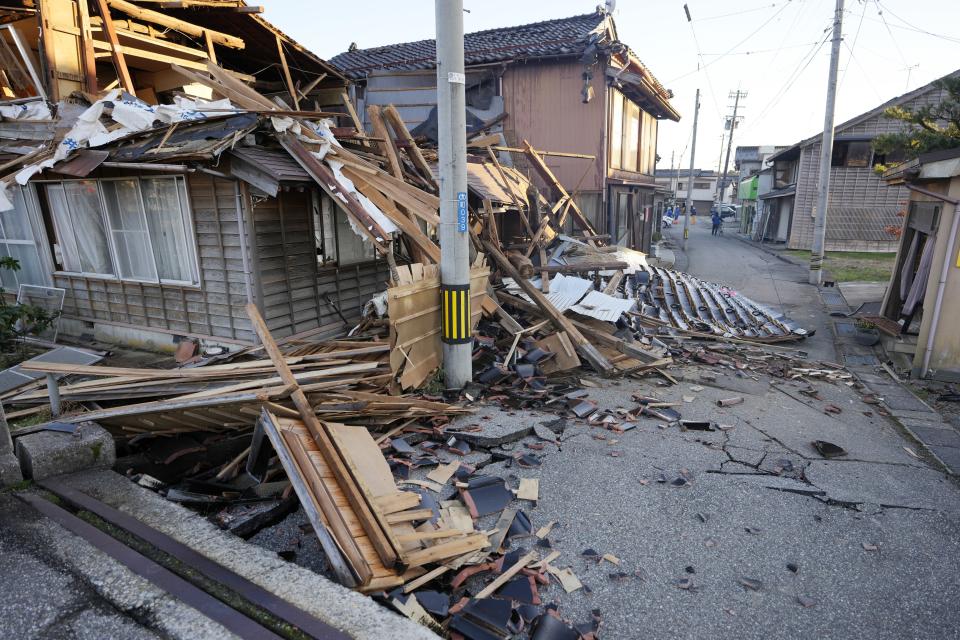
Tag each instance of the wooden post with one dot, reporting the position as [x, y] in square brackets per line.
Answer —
[386, 146]
[402, 133]
[116, 51]
[86, 41]
[286, 74]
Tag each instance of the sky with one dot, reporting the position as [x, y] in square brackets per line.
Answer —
[777, 51]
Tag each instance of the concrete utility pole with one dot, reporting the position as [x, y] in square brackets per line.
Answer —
[722, 182]
[454, 240]
[826, 153]
[693, 154]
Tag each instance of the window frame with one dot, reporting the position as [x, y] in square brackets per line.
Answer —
[39, 242]
[186, 218]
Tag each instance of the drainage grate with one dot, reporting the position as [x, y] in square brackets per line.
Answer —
[832, 298]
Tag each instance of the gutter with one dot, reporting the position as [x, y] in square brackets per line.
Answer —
[944, 271]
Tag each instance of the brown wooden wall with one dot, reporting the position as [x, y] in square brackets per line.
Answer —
[545, 107]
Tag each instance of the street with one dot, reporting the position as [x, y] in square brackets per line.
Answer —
[763, 538]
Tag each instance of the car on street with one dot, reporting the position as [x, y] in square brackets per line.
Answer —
[727, 211]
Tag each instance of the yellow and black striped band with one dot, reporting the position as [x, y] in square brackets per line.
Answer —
[456, 313]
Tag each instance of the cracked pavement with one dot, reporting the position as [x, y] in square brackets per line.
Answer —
[873, 536]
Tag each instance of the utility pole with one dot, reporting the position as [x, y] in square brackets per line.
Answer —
[721, 182]
[693, 154]
[673, 173]
[456, 336]
[826, 153]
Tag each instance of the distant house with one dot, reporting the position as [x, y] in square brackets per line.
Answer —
[861, 203]
[567, 85]
[754, 176]
[704, 185]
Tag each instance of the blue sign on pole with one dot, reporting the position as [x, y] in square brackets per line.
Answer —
[462, 211]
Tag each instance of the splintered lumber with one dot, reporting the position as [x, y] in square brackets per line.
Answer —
[387, 148]
[582, 345]
[323, 176]
[541, 167]
[328, 522]
[410, 146]
[164, 20]
[371, 518]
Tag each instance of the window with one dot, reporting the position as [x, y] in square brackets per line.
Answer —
[851, 154]
[337, 242]
[131, 228]
[18, 240]
[631, 139]
[894, 157]
[701, 185]
[632, 136]
[681, 186]
[616, 131]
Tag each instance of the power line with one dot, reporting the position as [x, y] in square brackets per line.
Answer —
[756, 51]
[731, 49]
[792, 78]
[913, 27]
[738, 13]
[896, 45]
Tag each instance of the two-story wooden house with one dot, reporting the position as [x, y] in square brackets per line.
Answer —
[567, 85]
[861, 205]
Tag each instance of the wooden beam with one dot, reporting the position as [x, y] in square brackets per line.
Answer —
[555, 154]
[357, 123]
[354, 487]
[413, 151]
[155, 17]
[211, 52]
[387, 147]
[291, 89]
[582, 345]
[116, 51]
[86, 42]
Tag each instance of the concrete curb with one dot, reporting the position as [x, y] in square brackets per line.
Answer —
[351, 612]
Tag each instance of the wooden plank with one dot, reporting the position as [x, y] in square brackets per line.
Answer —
[583, 346]
[116, 51]
[451, 549]
[373, 520]
[313, 496]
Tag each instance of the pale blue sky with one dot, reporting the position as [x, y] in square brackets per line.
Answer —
[785, 79]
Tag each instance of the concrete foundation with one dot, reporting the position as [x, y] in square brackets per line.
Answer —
[48, 453]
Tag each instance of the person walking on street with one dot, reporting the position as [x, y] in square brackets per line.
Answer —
[717, 221]
[693, 214]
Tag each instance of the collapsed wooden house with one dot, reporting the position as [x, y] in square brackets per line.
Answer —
[177, 231]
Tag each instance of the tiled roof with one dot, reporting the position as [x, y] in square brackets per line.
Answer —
[564, 36]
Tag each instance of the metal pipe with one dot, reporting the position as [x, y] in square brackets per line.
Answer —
[693, 154]
[457, 342]
[826, 154]
[944, 272]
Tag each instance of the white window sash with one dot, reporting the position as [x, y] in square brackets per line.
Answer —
[185, 216]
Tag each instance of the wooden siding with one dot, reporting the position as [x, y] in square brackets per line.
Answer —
[861, 202]
[545, 107]
[212, 310]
